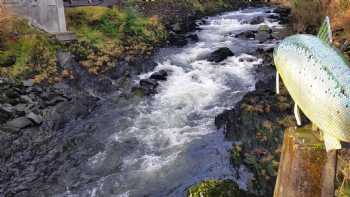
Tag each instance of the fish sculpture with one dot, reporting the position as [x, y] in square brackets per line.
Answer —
[317, 76]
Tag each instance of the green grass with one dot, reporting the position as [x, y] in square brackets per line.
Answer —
[32, 50]
[112, 33]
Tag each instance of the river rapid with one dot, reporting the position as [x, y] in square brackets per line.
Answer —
[163, 144]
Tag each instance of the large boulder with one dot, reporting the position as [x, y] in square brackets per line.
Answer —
[220, 55]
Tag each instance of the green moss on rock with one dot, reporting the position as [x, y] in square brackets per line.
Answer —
[217, 188]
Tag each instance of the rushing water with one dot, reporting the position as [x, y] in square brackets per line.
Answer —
[168, 142]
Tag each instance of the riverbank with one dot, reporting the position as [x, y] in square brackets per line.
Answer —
[45, 129]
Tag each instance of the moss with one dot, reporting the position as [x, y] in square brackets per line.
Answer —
[217, 188]
[26, 52]
[108, 34]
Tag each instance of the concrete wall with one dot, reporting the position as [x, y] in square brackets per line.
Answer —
[45, 14]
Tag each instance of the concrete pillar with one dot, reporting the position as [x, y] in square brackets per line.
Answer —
[61, 16]
[46, 14]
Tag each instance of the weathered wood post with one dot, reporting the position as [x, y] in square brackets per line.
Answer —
[306, 169]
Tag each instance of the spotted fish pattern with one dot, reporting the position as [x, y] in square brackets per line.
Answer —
[317, 76]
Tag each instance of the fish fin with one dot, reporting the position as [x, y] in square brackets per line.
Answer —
[325, 32]
[297, 114]
[277, 83]
[331, 142]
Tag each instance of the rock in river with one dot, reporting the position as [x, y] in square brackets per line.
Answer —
[160, 75]
[149, 86]
[220, 55]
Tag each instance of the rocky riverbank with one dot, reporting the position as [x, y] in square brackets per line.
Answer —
[37, 145]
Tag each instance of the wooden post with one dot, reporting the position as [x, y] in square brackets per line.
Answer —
[306, 169]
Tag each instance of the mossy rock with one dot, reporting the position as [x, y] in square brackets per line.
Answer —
[217, 188]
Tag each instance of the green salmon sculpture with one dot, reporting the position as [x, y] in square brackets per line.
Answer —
[317, 76]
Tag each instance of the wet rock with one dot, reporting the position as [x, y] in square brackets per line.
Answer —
[263, 36]
[257, 20]
[247, 59]
[220, 55]
[37, 119]
[149, 86]
[193, 37]
[178, 40]
[250, 34]
[285, 20]
[160, 75]
[18, 123]
[283, 11]
[177, 27]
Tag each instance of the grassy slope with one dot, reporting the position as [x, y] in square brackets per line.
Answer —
[107, 34]
[25, 52]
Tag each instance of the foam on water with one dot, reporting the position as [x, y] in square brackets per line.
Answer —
[175, 143]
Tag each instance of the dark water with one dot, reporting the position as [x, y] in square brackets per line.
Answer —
[164, 144]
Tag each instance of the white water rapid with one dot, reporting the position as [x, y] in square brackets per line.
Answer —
[170, 142]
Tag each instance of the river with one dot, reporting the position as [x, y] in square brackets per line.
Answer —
[165, 143]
